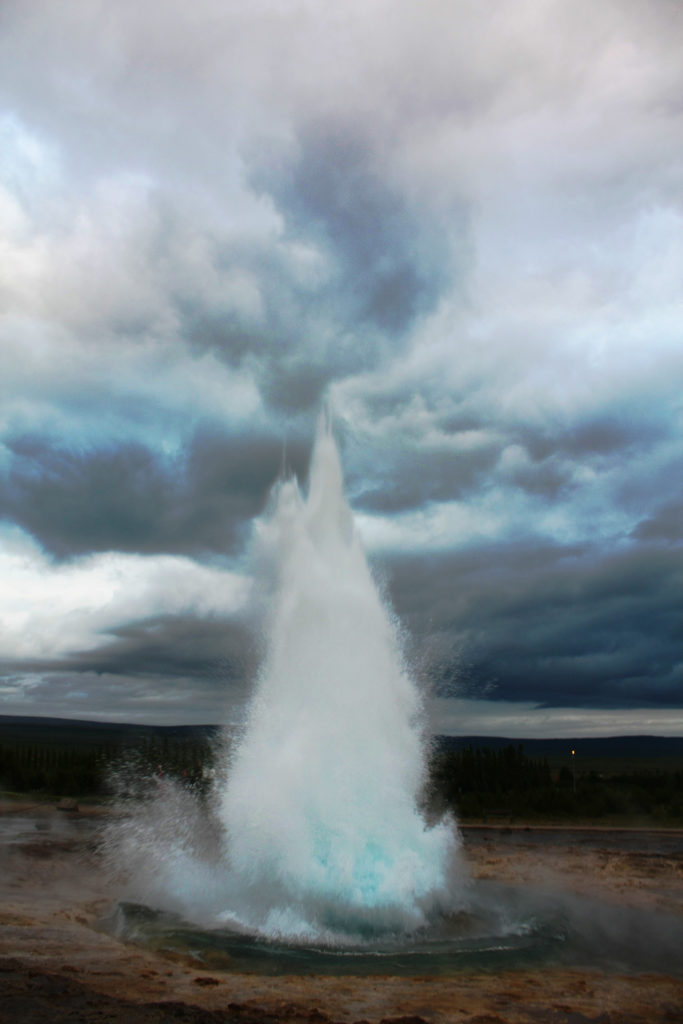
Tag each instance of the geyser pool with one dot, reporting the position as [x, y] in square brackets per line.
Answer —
[317, 831]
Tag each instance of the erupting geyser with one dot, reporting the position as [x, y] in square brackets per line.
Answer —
[322, 826]
[317, 831]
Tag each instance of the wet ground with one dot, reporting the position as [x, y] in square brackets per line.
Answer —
[658, 842]
[57, 962]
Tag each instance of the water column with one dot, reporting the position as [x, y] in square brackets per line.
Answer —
[323, 834]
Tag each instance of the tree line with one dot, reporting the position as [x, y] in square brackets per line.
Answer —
[475, 783]
[84, 770]
[506, 783]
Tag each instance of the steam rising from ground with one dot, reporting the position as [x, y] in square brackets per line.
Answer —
[317, 831]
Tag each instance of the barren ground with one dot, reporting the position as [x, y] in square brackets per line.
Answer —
[55, 965]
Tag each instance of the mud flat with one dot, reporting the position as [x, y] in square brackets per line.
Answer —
[58, 964]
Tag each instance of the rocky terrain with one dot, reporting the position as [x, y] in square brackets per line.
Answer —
[57, 964]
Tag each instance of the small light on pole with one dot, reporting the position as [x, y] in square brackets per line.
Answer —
[573, 772]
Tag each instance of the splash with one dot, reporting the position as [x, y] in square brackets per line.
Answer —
[317, 831]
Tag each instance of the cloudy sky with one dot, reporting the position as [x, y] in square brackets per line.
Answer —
[458, 222]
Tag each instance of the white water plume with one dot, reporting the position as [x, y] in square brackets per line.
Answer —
[321, 834]
[320, 809]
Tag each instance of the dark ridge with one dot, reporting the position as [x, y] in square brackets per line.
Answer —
[588, 746]
[67, 731]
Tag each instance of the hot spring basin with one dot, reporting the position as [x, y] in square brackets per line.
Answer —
[505, 927]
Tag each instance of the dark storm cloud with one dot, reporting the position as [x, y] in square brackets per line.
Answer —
[466, 234]
[665, 525]
[84, 501]
[388, 263]
[175, 646]
[127, 498]
[219, 655]
[559, 626]
[464, 455]
[556, 448]
[430, 447]
[604, 434]
[308, 326]
[547, 479]
[291, 379]
[408, 480]
[377, 264]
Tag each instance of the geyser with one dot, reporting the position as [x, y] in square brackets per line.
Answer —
[316, 832]
[323, 831]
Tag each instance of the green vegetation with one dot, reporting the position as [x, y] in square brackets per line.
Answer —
[611, 782]
[58, 762]
[506, 784]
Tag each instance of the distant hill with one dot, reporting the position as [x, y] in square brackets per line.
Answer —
[585, 746]
[66, 731]
[70, 732]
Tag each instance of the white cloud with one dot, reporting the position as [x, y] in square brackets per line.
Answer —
[441, 526]
[152, 391]
[526, 720]
[48, 610]
[498, 515]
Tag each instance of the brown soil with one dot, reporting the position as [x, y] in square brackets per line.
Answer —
[55, 965]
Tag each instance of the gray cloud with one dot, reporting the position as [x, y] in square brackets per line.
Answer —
[186, 646]
[553, 625]
[665, 525]
[128, 498]
[388, 264]
[559, 453]
[412, 479]
[165, 700]
[591, 435]
[467, 234]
